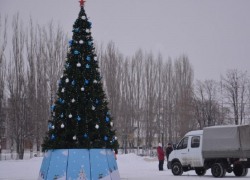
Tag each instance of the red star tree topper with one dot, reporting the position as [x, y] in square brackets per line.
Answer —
[82, 2]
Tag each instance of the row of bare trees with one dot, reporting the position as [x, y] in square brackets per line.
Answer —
[29, 76]
[149, 97]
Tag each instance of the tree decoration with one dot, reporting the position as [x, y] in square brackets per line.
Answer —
[96, 101]
[81, 42]
[95, 58]
[90, 23]
[53, 127]
[78, 64]
[87, 66]
[67, 65]
[86, 81]
[79, 118]
[97, 126]
[70, 115]
[73, 83]
[87, 30]
[105, 138]
[67, 80]
[76, 29]
[76, 52]
[50, 125]
[52, 107]
[62, 125]
[89, 43]
[82, 88]
[62, 90]
[93, 107]
[88, 58]
[70, 42]
[62, 115]
[111, 123]
[85, 135]
[73, 100]
[52, 137]
[60, 82]
[74, 137]
[107, 119]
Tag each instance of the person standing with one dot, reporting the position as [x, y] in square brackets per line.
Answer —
[169, 149]
[160, 156]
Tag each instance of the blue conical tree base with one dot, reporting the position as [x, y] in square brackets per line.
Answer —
[79, 164]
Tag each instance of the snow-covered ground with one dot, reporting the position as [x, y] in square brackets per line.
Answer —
[131, 167]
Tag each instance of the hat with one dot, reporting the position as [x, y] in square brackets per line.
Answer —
[160, 144]
[169, 144]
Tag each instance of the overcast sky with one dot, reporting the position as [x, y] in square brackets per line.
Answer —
[214, 34]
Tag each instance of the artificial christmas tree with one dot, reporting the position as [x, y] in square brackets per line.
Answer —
[81, 123]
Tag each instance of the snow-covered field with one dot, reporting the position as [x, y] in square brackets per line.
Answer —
[131, 167]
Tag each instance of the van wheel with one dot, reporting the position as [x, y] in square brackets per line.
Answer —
[238, 170]
[217, 170]
[200, 171]
[177, 169]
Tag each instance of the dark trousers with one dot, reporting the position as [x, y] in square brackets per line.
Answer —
[161, 162]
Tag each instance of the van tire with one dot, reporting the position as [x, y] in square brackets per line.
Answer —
[217, 170]
[201, 171]
[238, 170]
[177, 169]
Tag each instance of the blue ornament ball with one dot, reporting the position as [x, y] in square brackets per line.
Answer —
[85, 135]
[52, 108]
[96, 101]
[90, 23]
[105, 138]
[113, 140]
[68, 65]
[50, 126]
[70, 42]
[86, 81]
[73, 83]
[60, 100]
[62, 116]
[76, 52]
[79, 118]
[87, 66]
[63, 101]
[60, 82]
[52, 137]
[107, 113]
[89, 43]
[107, 119]
[88, 58]
[76, 29]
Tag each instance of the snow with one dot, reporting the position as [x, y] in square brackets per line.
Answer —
[131, 167]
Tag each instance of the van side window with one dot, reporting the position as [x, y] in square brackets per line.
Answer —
[195, 142]
[183, 143]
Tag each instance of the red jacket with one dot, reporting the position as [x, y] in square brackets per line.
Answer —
[160, 153]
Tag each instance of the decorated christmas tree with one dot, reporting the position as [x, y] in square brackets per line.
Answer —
[80, 115]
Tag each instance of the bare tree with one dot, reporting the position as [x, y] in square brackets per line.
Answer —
[207, 108]
[3, 43]
[17, 87]
[235, 88]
